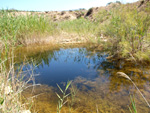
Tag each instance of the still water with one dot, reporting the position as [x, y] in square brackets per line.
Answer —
[95, 85]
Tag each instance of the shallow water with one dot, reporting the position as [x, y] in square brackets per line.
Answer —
[98, 88]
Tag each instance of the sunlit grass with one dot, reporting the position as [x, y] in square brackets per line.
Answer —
[15, 29]
[18, 29]
[80, 26]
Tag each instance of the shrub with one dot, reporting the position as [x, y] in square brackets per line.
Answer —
[129, 29]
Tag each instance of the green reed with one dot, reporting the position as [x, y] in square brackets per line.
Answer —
[16, 28]
[63, 97]
[80, 26]
[133, 105]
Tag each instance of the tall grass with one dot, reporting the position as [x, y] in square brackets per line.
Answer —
[80, 26]
[16, 28]
[13, 80]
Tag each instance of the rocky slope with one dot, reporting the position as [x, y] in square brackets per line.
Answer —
[75, 14]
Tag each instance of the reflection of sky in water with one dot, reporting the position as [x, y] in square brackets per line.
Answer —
[67, 64]
[95, 78]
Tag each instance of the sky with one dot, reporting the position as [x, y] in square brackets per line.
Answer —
[54, 5]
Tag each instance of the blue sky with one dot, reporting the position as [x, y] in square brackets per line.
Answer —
[54, 5]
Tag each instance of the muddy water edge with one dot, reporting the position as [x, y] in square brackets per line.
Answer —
[97, 87]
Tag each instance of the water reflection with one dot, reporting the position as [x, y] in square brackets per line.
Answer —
[99, 88]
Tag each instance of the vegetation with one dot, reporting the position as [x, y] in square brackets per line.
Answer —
[133, 105]
[63, 99]
[12, 83]
[80, 26]
[121, 74]
[66, 98]
[17, 29]
[126, 27]
[20, 29]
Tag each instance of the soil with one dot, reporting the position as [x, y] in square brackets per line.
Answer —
[55, 15]
[62, 38]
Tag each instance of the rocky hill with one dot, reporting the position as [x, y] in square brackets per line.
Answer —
[90, 14]
[54, 15]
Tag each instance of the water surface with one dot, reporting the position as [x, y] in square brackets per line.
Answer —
[98, 88]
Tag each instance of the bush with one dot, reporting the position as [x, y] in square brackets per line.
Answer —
[129, 29]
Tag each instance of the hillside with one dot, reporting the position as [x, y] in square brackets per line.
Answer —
[76, 14]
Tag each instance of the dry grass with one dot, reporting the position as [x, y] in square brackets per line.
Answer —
[13, 80]
[121, 74]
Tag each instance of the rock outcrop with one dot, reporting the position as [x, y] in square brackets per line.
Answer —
[54, 15]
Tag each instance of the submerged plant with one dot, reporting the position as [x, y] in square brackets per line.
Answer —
[73, 93]
[133, 105]
[62, 99]
[121, 74]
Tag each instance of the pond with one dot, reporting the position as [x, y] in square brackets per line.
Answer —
[95, 86]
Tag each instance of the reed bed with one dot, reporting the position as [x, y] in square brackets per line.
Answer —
[15, 29]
